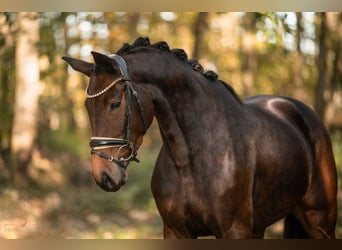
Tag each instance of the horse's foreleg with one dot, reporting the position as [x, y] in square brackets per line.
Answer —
[239, 230]
[237, 233]
[170, 233]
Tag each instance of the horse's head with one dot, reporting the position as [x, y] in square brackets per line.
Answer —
[120, 111]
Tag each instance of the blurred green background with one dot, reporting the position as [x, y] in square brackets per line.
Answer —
[46, 186]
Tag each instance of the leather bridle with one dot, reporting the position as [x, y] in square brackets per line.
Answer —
[98, 143]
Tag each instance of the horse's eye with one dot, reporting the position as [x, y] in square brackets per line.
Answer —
[114, 105]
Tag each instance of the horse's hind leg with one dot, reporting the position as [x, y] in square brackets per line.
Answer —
[293, 229]
[317, 212]
[308, 223]
[313, 223]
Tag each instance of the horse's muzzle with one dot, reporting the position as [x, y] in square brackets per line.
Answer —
[109, 183]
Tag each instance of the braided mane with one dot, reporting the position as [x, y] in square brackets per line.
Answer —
[180, 54]
[164, 47]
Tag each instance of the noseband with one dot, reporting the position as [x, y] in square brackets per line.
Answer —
[97, 143]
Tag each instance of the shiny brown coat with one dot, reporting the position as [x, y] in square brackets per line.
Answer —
[227, 167]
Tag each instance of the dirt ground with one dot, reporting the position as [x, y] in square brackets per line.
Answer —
[66, 203]
[87, 213]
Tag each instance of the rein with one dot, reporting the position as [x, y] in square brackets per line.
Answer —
[98, 143]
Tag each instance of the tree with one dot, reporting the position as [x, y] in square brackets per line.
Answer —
[331, 113]
[248, 54]
[26, 94]
[336, 77]
[7, 31]
[298, 60]
[200, 27]
[322, 79]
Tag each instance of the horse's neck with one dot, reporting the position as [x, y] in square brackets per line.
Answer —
[190, 115]
[172, 134]
[189, 108]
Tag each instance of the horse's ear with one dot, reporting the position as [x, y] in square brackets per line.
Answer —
[104, 62]
[79, 65]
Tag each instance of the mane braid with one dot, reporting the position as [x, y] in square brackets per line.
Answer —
[196, 66]
[181, 55]
[141, 42]
[126, 48]
[162, 46]
[211, 75]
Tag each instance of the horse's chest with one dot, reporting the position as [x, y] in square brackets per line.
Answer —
[196, 212]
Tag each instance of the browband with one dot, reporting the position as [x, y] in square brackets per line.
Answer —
[124, 76]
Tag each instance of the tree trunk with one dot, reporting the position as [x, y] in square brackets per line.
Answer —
[133, 21]
[336, 77]
[248, 56]
[26, 95]
[7, 32]
[200, 27]
[299, 92]
[322, 79]
[68, 103]
[335, 28]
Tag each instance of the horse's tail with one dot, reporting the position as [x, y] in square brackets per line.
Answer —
[319, 140]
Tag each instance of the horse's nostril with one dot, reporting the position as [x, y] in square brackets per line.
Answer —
[107, 181]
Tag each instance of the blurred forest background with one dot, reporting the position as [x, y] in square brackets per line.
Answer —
[46, 187]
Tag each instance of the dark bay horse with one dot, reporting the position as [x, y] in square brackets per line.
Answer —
[227, 167]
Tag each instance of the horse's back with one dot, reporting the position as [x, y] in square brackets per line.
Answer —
[295, 113]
